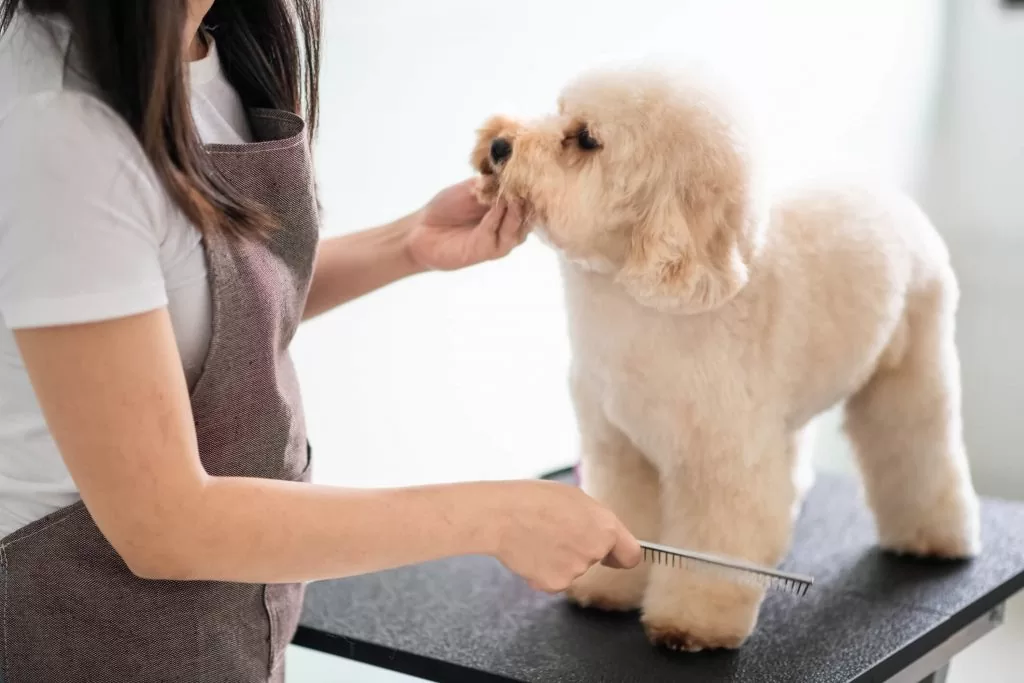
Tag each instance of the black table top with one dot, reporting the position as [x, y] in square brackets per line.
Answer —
[867, 616]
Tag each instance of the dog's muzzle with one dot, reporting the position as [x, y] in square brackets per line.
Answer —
[501, 149]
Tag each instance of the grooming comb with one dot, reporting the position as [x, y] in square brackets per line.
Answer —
[727, 568]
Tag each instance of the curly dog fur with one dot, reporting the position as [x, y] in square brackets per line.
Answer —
[710, 324]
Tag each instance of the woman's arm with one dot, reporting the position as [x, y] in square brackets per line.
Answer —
[452, 231]
[115, 399]
[349, 266]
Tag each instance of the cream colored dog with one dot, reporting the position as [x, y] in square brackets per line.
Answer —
[708, 328]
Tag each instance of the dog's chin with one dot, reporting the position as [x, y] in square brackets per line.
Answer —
[595, 265]
[487, 188]
[591, 264]
[588, 264]
[541, 231]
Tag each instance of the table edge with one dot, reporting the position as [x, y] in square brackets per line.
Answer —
[391, 659]
[432, 669]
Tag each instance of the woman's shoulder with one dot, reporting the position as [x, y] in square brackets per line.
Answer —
[67, 120]
[75, 188]
[72, 170]
[33, 60]
[71, 140]
[40, 97]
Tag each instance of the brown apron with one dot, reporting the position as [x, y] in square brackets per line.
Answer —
[71, 610]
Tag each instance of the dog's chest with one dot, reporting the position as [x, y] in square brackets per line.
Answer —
[655, 377]
[649, 386]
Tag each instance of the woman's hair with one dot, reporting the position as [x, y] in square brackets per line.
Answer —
[133, 51]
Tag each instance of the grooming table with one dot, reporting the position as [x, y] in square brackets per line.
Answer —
[869, 616]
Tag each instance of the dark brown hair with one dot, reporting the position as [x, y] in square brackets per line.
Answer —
[134, 53]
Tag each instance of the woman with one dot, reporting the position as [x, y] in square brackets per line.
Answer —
[158, 248]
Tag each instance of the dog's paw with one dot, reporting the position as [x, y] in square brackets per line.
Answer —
[949, 531]
[673, 637]
[609, 590]
[940, 546]
[691, 612]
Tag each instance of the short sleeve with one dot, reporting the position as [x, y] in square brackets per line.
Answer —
[82, 216]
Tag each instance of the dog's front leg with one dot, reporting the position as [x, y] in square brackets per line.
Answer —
[731, 500]
[616, 473]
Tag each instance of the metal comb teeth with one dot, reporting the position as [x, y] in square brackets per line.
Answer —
[727, 568]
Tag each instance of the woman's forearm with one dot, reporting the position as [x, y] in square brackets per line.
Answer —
[116, 401]
[350, 266]
[266, 531]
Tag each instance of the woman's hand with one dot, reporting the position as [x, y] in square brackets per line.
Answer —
[550, 534]
[452, 231]
[455, 230]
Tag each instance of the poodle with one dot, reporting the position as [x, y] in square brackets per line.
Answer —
[710, 324]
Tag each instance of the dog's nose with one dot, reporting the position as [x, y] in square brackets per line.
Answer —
[501, 149]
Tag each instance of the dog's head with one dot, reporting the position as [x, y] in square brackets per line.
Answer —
[642, 175]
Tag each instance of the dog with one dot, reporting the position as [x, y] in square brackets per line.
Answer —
[710, 323]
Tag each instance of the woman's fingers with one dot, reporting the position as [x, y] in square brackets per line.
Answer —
[490, 224]
[510, 231]
[524, 232]
[500, 230]
[627, 552]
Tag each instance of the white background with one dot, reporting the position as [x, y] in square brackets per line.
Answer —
[462, 376]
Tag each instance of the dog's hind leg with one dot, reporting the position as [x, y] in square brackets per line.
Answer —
[905, 425]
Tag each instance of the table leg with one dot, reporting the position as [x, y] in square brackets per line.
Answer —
[934, 665]
[937, 677]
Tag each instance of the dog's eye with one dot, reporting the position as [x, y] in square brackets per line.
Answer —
[586, 141]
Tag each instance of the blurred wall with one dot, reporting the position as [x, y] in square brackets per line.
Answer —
[463, 375]
[974, 190]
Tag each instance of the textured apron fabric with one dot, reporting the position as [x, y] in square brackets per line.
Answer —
[71, 609]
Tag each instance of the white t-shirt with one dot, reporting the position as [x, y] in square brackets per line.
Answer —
[87, 233]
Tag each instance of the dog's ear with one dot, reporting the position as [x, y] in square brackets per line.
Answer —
[691, 250]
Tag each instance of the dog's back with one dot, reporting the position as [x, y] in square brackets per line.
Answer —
[825, 306]
[839, 273]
